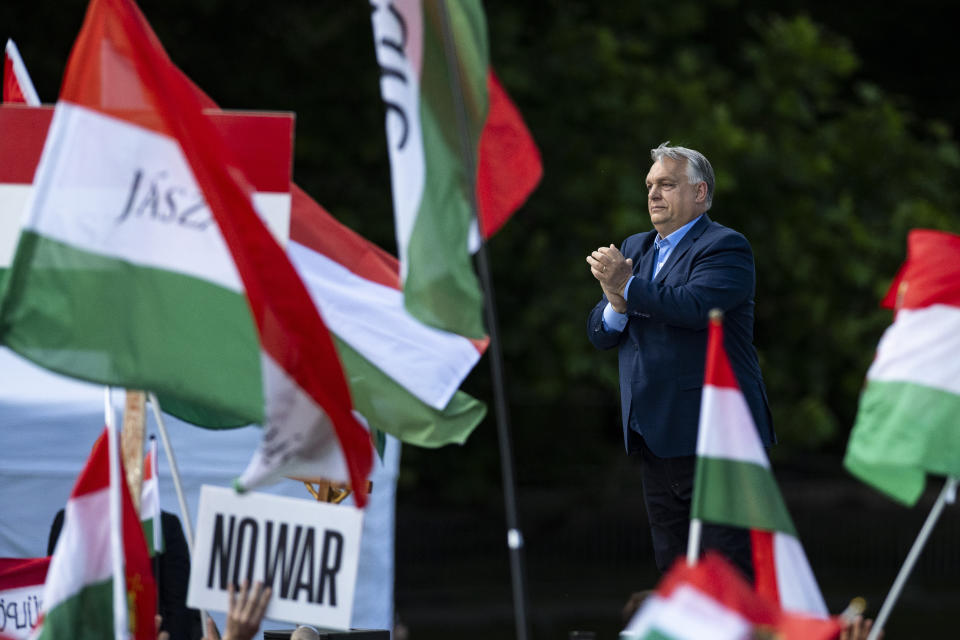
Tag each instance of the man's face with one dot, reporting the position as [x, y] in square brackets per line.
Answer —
[671, 200]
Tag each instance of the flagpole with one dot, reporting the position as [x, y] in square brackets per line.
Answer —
[514, 534]
[120, 631]
[696, 525]
[693, 541]
[175, 474]
[947, 494]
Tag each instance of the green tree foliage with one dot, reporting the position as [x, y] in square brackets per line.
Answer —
[824, 173]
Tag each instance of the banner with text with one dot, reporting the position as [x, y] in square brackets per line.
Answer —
[307, 551]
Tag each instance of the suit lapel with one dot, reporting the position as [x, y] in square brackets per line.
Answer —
[644, 266]
[695, 232]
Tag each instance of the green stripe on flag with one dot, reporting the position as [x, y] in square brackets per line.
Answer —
[86, 615]
[440, 286]
[739, 494]
[108, 321]
[903, 430]
[389, 407]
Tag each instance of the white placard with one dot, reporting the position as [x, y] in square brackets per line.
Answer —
[306, 550]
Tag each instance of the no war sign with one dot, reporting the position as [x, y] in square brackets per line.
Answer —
[306, 551]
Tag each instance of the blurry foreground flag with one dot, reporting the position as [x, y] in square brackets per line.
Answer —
[450, 128]
[142, 264]
[404, 376]
[907, 423]
[21, 592]
[78, 598]
[712, 600]
[150, 502]
[734, 486]
[17, 85]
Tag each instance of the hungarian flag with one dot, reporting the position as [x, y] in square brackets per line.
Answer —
[711, 600]
[78, 599]
[150, 501]
[21, 594]
[17, 85]
[906, 424]
[404, 376]
[142, 264]
[734, 486]
[456, 144]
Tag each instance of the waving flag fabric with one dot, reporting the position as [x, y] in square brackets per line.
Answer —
[17, 85]
[906, 424]
[712, 600]
[21, 595]
[735, 486]
[150, 501]
[142, 263]
[78, 595]
[403, 374]
[454, 139]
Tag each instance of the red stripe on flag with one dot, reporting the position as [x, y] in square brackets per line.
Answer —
[252, 140]
[11, 87]
[764, 565]
[23, 130]
[931, 273]
[717, 578]
[718, 372]
[22, 572]
[313, 227]
[509, 166]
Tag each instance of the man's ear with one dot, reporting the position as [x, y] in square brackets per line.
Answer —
[701, 192]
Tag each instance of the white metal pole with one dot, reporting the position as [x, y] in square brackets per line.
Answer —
[175, 474]
[693, 541]
[947, 494]
[120, 631]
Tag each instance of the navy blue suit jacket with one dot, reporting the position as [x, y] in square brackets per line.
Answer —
[663, 347]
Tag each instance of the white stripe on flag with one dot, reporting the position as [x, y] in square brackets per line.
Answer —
[371, 318]
[796, 583]
[688, 614]
[402, 90]
[299, 439]
[13, 200]
[82, 554]
[914, 347]
[88, 166]
[727, 429]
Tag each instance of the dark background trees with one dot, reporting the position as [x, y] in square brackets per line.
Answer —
[831, 127]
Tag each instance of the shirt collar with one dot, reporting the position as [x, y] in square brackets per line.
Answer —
[674, 238]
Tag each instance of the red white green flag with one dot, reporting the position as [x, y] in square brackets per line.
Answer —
[906, 425]
[192, 299]
[78, 598]
[404, 376]
[150, 501]
[17, 85]
[21, 594]
[734, 486]
[454, 139]
[712, 600]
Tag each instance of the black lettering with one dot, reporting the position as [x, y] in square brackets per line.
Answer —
[137, 176]
[189, 219]
[308, 565]
[396, 45]
[245, 524]
[330, 561]
[279, 557]
[222, 550]
[171, 199]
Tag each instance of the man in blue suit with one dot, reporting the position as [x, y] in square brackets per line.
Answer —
[658, 290]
